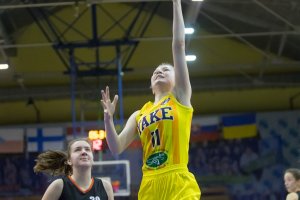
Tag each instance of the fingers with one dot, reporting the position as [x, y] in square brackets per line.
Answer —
[107, 93]
[106, 97]
[102, 96]
[108, 106]
[115, 101]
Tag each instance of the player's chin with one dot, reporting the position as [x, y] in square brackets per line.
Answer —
[86, 162]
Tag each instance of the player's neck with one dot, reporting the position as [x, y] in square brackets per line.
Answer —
[159, 96]
[83, 178]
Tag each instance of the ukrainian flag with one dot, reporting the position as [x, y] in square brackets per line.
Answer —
[239, 126]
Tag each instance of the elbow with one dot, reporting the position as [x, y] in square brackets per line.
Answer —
[116, 151]
[119, 151]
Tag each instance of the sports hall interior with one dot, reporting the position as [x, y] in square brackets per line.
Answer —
[244, 72]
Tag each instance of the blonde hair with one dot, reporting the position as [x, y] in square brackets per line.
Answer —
[54, 162]
[164, 63]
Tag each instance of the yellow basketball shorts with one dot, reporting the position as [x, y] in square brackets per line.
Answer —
[175, 184]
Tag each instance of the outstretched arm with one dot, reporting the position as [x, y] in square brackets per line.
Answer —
[183, 90]
[116, 142]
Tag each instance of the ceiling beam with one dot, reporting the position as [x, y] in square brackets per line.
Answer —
[237, 35]
[68, 3]
[149, 39]
[142, 87]
[272, 12]
[250, 20]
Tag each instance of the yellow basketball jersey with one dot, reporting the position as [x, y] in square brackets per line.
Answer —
[164, 129]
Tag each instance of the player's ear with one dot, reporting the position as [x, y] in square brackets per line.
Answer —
[69, 162]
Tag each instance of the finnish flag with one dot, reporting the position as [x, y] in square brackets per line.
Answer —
[46, 138]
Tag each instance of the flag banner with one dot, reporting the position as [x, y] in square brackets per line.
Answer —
[12, 140]
[205, 128]
[239, 126]
[46, 138]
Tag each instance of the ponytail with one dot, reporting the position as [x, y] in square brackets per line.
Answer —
[53, 163]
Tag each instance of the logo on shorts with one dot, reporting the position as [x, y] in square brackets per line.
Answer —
[157, 159]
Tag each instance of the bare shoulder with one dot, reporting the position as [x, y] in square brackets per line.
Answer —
[58, 181]
[106, 183]
[108, 188]
[132, 118]
[57, 184]
[133, 115]
[54, 190]
[292, 196]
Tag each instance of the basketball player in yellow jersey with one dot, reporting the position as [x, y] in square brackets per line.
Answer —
[163, 126]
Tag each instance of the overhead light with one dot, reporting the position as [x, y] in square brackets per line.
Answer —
[189, 30]
[3, 66]
[197, 0]
[190, 58]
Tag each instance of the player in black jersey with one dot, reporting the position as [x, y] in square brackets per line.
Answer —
[292, 183]
[75, 165]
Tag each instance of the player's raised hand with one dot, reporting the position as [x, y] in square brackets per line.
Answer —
[109, 106]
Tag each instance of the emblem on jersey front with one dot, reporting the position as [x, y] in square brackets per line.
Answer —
[157, 159]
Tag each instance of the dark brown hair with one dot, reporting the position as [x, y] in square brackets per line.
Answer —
[54, 162]
[295, 172]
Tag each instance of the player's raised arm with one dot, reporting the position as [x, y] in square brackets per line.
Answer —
[182, 88]
[116, 142]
